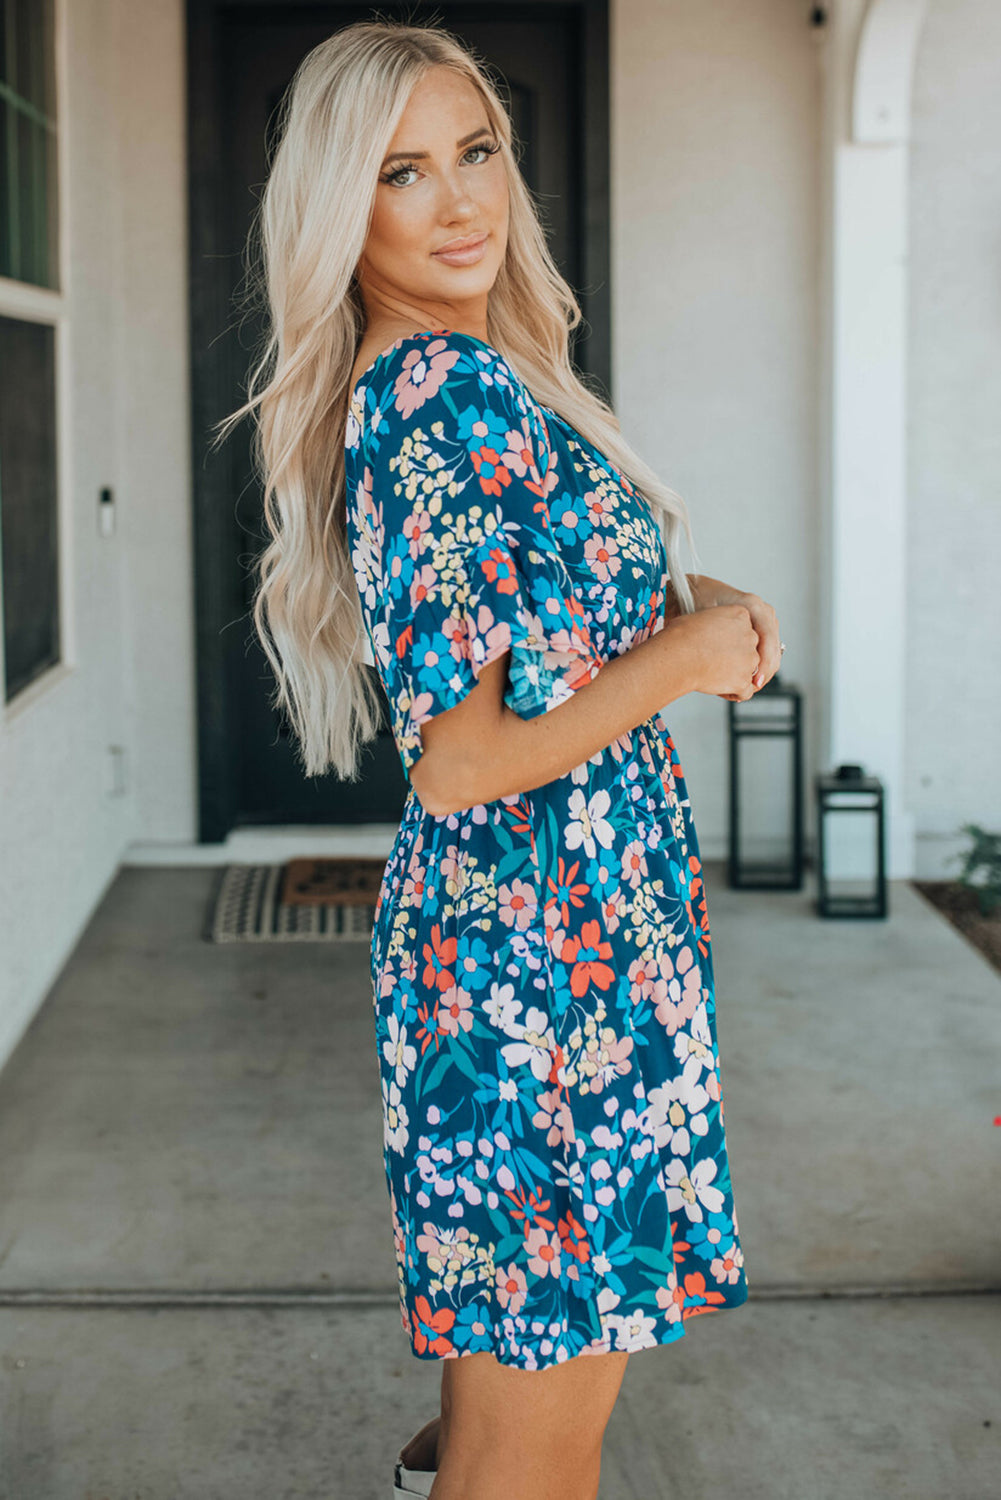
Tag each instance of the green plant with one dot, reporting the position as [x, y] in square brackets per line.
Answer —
[981, 870]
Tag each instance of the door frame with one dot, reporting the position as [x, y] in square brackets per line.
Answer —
[211, 310]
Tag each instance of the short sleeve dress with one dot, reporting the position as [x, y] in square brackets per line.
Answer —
[541, 963]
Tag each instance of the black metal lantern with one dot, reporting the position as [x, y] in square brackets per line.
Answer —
[846, 799]
[767, 795]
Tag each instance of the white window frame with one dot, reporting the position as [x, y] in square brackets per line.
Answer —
[51, 306]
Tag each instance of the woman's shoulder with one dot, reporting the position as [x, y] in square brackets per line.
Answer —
[436, 374]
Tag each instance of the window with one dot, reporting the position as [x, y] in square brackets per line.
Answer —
[29, 339]
[29, 248]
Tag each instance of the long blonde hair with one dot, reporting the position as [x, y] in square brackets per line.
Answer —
[335, 123]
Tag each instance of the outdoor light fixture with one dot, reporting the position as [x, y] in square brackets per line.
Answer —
[766, 789]
[852, 844]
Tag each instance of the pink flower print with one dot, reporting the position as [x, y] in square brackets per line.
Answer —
[634, 865]
[667, 1298]
[610, 1058]
[599, 511]
[643, 976]
[453, 870]
[601, 551]
[423, 373]
[413, 884]
[409, 965]
[553, 1116]
[550, 480]
[444, 1247]
[554, 932]
[519, 456]
[423, 585]
[456, 631]
[679, 990]
[614, 910]
[727, 1267]
[512, 1287]
[455, 1012]
[517, 904]
[544, 1254]
[415, 528]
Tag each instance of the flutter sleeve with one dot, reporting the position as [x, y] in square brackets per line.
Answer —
[455, 555]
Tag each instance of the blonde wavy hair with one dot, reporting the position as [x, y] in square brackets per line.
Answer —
[335, 124]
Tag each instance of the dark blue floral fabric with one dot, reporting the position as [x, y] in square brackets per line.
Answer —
[542, 967]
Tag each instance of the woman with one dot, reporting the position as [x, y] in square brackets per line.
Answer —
[543, 988]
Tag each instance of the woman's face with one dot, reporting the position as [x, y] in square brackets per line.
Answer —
[442, 180]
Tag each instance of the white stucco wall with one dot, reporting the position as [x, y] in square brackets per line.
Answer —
[954, 539]
[715, 216]
[69, 805]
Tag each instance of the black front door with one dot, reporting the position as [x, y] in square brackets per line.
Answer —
[553, 60]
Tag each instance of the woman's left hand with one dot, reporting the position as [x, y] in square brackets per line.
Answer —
[712, 591]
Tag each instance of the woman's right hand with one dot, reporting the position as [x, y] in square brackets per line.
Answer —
[724, 644]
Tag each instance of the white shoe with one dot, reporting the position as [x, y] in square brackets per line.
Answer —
[413, 1484]
[409, 1484]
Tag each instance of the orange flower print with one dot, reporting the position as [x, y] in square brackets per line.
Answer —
[493, 476]
[439, 957]
[573, 1238]
[430, 1328]
[498, 566]
[532, 1207]
[696, 905]
[695, 1288]
[587, 955]
[567, 890]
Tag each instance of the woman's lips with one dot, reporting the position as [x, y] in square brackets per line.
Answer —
[467, 256]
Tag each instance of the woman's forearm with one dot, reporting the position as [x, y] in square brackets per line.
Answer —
[522, 754]
[706, 592]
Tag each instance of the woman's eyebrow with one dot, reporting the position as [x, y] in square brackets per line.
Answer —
[420, 155]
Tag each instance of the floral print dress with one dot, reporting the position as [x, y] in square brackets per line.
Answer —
[542, 967]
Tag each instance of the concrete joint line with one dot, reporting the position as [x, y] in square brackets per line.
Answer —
[320, 1297]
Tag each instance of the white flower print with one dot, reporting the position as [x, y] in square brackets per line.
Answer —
[588, 826]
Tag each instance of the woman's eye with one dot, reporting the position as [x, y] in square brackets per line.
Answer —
[398, 173]
[392, 177]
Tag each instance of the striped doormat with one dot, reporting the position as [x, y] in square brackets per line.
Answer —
[302, 900]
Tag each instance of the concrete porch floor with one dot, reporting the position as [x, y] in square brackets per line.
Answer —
[197, 1286]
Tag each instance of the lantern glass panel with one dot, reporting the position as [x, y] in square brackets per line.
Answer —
[851, 854]
[766, 810]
